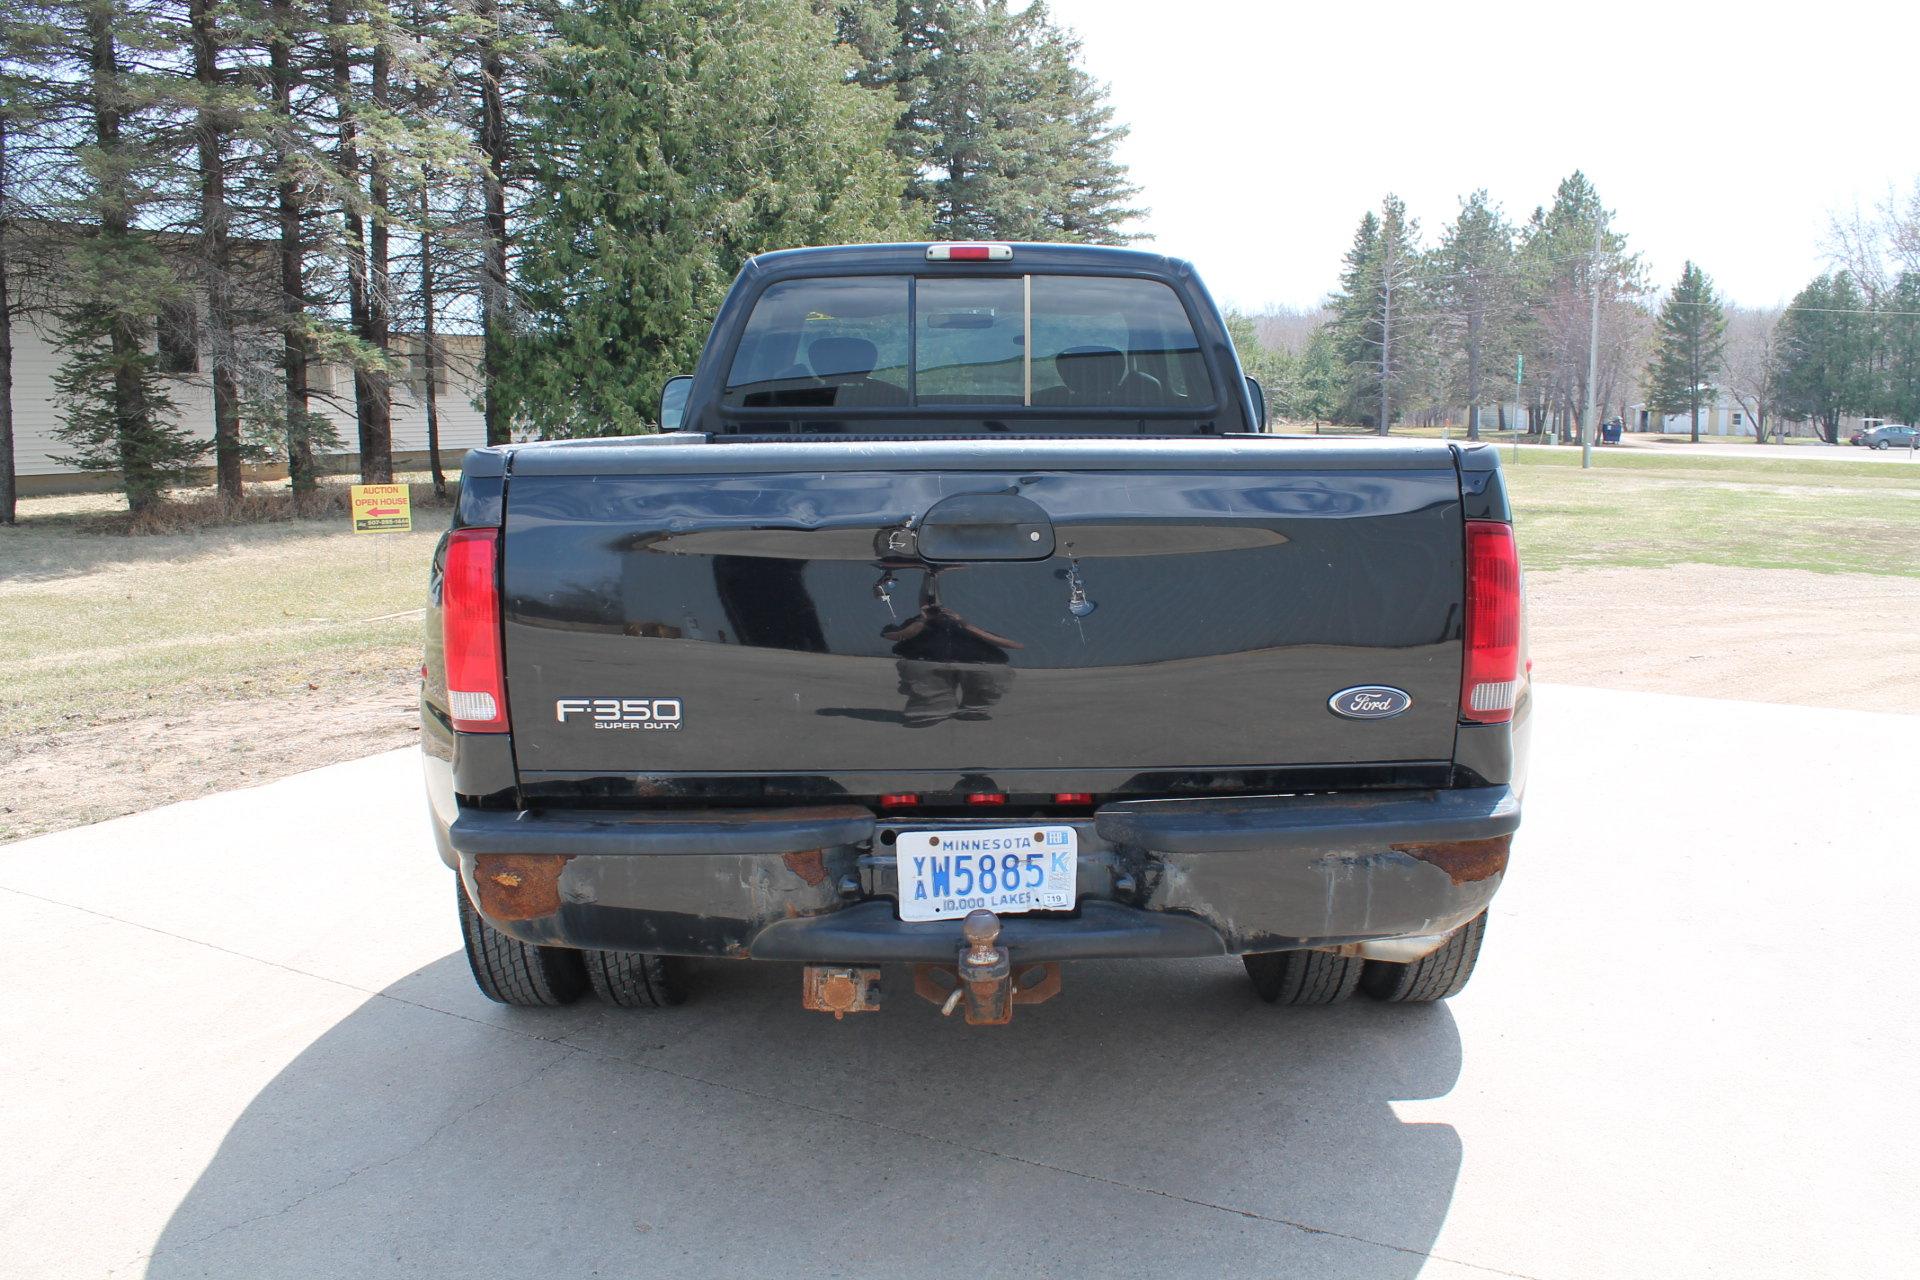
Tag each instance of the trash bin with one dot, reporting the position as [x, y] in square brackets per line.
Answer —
[1610, 433]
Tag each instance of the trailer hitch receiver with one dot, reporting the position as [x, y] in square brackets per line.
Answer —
[984, 980]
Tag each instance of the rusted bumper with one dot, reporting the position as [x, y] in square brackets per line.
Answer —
[1156, 878]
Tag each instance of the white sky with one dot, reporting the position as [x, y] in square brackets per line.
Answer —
[1723, 133]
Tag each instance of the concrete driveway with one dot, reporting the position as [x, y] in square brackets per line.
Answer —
[238, 1040]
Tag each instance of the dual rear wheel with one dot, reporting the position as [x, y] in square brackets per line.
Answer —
[513, 972]
[1317, 977]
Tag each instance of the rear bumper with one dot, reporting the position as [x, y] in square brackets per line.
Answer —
[1156, 878]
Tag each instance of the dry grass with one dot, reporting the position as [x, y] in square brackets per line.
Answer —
[1760, 635]
[143, 662]
[187, 510]
[257, 506]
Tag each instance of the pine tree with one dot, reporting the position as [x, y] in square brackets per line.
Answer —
[1899, 342]
[13, 112]
[115, 410]
[1474, 285]
[347, 34]
[1824, 344]
[1559, 273]
[1321, 382]
[380, 137]
[1006, 135]
[1691, 337]
[96, 82]
[1275, 369]
[40, 124]
[441, 192]
[218, 109]
[1352, 322]
[501, 56]
[1380, 288]
[666, 145]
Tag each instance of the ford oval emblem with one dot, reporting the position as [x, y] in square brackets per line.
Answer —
[1370, 702]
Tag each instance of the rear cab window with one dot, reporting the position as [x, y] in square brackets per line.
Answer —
[1022, 350]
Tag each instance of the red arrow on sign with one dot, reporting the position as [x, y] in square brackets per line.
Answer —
[383, 511]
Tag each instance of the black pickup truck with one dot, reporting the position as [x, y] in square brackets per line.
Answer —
[965, 616]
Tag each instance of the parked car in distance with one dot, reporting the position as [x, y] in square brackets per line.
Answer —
[1890, 435]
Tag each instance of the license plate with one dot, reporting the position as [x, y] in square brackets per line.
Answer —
[945, 874]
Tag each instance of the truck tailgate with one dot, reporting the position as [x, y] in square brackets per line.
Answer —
[828, 609]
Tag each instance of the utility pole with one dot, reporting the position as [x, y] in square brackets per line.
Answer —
[1519, 398]
[1593, 350]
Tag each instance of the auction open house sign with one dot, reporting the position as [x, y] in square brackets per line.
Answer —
[382, 508]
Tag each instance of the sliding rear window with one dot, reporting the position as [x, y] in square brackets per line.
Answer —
[1001, 342]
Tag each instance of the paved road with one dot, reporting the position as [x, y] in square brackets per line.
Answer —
[1723, 447]
[1737, 449]
[237, 1041]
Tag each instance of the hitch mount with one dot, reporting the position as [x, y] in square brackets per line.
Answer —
[985, 980]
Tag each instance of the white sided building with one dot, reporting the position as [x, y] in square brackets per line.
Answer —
[1721, 416]
[38, 447]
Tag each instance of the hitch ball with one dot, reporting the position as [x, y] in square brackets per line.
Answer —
[981, 929]
[985, 971]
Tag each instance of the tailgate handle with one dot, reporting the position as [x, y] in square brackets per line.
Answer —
[986, 526]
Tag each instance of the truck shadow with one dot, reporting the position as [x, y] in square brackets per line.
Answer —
[1152, 1119]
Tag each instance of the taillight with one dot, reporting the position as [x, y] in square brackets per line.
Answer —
[470, 620]
[1490, 675]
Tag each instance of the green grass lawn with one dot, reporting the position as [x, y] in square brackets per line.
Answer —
[1768, 465]
[1769, 513]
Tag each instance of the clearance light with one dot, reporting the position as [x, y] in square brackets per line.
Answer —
[1073, 797]
[1490, 673]
[987, 797]
[899, 800]
[969, 253]
[470, 620]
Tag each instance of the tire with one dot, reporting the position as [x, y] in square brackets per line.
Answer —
[508, 971]
[635, 979]
[1437, 976]
[1302, 977]
[1879, 444]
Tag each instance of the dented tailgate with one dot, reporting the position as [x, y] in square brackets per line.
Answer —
[839, 608]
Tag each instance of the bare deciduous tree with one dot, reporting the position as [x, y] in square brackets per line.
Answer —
[1289, 329]
[1875, 247]
[1752, 369]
